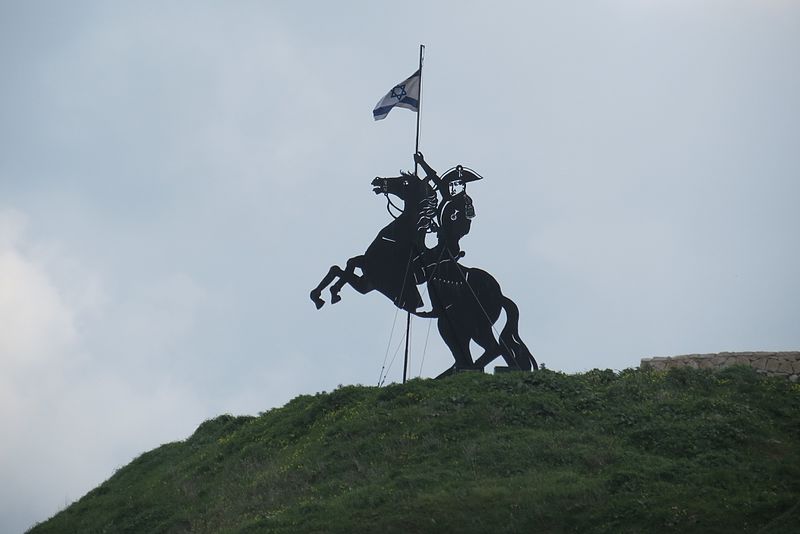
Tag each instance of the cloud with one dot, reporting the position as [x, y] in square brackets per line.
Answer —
[36, 321]
[72, 417]
[38, 333]
[182, 177]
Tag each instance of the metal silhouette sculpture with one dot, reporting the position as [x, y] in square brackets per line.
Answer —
[466, 301]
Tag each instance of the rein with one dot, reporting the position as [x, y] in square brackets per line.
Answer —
[389, 209]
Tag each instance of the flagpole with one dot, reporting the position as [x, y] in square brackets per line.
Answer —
[419, 107]
[416, 149]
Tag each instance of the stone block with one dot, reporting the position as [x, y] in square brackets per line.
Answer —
[705, 363]
[773, 363]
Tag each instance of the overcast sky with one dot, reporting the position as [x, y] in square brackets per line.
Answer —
[176, 177]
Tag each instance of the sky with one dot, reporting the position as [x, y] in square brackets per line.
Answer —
[175, 177]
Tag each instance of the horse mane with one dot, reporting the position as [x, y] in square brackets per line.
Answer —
[428, 204]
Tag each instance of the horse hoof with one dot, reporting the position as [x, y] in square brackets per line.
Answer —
[335, 298]
[318, 302]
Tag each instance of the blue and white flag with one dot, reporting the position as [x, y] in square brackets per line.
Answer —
[403, 95]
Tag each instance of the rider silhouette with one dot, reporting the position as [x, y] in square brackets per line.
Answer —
[455, 211]
[454, 219]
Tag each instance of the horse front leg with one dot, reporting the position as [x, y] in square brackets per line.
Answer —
[316, 293]
[348, 276]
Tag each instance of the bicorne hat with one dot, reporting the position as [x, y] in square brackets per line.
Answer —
[459, 172]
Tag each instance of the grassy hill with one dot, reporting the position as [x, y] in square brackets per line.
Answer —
[636, 451]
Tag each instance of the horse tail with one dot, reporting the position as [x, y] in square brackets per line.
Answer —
[510, 340]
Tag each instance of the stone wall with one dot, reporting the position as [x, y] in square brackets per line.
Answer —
[771, 363]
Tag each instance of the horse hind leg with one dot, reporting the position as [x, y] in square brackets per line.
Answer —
[491, 349]
[348, 276]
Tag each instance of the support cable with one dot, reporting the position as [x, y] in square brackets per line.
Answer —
[382, 379]
[488, 319]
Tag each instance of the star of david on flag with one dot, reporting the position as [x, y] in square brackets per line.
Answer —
[403, 95]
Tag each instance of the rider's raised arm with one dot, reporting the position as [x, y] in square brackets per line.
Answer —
[430, 173]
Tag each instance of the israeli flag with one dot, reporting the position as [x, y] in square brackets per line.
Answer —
[403, 95]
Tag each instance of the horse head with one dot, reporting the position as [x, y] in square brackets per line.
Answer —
[418, 197]
[407, 186]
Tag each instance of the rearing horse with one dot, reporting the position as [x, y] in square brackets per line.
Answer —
[466, 301]
[388, 264]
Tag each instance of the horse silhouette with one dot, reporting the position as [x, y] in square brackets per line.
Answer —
[466, 301]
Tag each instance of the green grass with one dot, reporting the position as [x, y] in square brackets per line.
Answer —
[636, 451]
